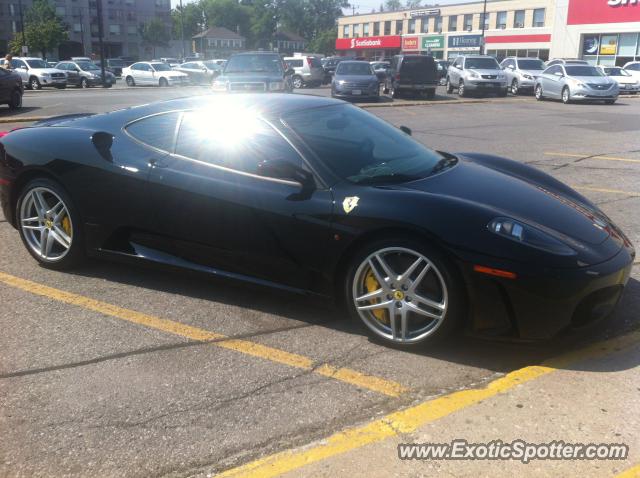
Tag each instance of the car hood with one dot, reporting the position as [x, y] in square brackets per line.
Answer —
[250, 77]
[625, 80]
[517, 196]
[531, 72]
[594, 80]
[486, 72]
[46, 70]
[356, 78]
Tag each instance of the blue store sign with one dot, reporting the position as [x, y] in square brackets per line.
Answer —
[465, 41]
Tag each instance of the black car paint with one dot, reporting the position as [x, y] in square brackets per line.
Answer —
[9, 83]
[415, 73]
[140, 203]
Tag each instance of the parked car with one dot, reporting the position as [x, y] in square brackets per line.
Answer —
[51, 64]
[522, 73]
[115, 66]
[150, 73]
[412, 73]
[633, 67]
[329, 65]
[478, 74]
[380, 68]
[576, 83]
[308, 71]
[355, 79]
[11, 89]
[627, 83]
[84, 74]
[35, 73]
[172, 62]
[81, 58]
[443, 67]
[566, 61]
[219, 61]
[200, 72]
[254, 71]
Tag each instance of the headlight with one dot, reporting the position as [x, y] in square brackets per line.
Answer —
[578, 83]
[220, 85]
[529, 235]
[341, 82]
[473, 74]
[276, 86]
[46, 75]
[500, 77]
[528, 77]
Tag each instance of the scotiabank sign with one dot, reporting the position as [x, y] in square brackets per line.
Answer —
[393, 41]
[583, 12]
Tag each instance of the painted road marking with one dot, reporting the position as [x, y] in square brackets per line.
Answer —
[586, 156]
[630, 473]
[602, 190]
[346, 375]
[410, 419]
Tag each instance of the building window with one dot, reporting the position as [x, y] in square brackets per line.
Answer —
[12, 9]
[345, 31]
[14, 28]
[132, 30]
[412, 26]
[399, 27]
[425, 25]
[538, 17]
[356, 30]
[61, 11]
[365, 29]
[77, 27]
[501, 20]
[518, 19]
[376, 29]
[453, 23]
[114, 29]
[387, 28]
[483, 23]
[439, 24]
[468, 22]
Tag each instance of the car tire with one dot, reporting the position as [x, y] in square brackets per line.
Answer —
[84, 83]
[163, 83]
[503, 93]
[434, 280]
[449, 87]
[538, 93]
[15, 100]
[566, 95]
[297, 82]
[63, 246]
[385, 89]
[609, 102]
[462, 91]
[430, 94]
[34, 83]
[394, 92]
[130, 81]
[515, 87]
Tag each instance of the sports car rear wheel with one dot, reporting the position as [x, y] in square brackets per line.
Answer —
[404, 293]
[48, 224]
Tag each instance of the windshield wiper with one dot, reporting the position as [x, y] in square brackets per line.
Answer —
[387, 178]
[448, 161]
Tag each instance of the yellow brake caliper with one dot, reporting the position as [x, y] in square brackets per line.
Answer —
[66, 225]
[372, 285]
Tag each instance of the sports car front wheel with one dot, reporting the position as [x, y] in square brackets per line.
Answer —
[49, 225]
[404, 293]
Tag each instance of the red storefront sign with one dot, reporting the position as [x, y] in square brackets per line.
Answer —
[519, 39]
[368, 43]
[410, 43]
[583, 12]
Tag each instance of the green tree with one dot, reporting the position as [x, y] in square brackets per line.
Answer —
[414, 3]
[324, 43]
[229, 14]
[43, 30]
[154, 33]
[193, 18]
[392, 5]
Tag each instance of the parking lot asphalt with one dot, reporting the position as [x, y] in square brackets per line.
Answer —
[123, 371]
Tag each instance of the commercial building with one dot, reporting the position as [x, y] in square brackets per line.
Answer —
[601, 31]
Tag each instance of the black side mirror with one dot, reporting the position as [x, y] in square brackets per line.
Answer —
[406, 130]
[282, 169]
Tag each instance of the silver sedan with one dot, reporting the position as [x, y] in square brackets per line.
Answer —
[576, 83]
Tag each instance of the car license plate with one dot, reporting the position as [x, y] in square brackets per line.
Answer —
[356, 92]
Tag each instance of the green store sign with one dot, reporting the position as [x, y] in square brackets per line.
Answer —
[433, 42]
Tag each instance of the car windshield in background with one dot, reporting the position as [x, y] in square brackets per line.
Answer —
[211, 65]
[345, 68]
[161, 67]
[482, 63]
[362, 148]
[87, 66]
[254, 64]
[583, 71]
[116, 63]
[37, 64]
[531, 64]
[616, 72]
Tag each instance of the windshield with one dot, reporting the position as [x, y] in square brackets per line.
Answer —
[211, 65]
[254, 64]
[348, 68]
[582, 71]
[37, 64]
[482, 63]
[87, 66]
[362, 148]
[116, 63]
[616, 72]
[534, 64]
[161, 67]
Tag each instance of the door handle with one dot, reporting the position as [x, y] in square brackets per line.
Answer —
[155, 163]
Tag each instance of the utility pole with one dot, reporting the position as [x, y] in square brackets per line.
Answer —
[353, 9]
[184, 54]
[484, 22]
[24, 42]
[101, 40]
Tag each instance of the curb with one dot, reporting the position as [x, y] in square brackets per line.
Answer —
[423, 103]
[24, 119]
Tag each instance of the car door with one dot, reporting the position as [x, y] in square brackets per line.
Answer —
[509, 67]
[73, 73]
[20, 67]
[221, 213]
[6, 85]
[554, 83]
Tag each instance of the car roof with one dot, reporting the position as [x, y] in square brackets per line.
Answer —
[476, 56]
[270, 53]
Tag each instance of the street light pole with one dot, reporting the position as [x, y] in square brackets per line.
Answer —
[24, 42]
[101, 40]
[184, 54]
[484, 22]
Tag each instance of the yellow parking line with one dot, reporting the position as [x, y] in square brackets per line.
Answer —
[630, 473]
[410, 419]
[602, 190]
[352, 377]
[586, 156]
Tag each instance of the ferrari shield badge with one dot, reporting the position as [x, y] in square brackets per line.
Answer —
[350, 203]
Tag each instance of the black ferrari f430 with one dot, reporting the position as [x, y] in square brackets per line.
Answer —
[318, 196]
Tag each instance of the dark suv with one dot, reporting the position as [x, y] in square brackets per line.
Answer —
[412, 73]
[329, 65]
[254, 72]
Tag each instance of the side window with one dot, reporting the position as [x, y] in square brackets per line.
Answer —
[17, 63]
[157, 131]
[634, 67]
[555, 69]
[239, 145]
[189, 66]
[508, 63]
[135, 67]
